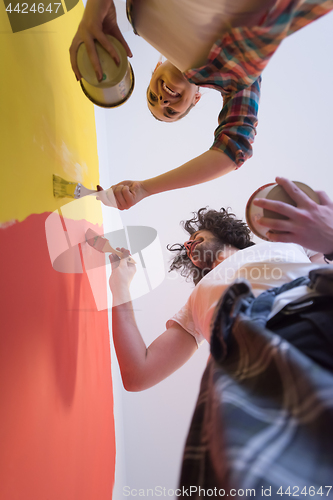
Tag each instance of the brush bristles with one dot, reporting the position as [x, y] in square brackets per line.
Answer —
[63, 188]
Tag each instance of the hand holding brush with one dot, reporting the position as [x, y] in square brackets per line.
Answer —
[103, 245]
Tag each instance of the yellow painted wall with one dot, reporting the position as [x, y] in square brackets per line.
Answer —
[47, 124]
[56, 405]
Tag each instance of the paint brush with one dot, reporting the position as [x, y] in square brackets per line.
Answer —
[103, 245]
[66, 189]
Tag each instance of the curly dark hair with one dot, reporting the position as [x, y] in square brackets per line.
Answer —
[224, 226]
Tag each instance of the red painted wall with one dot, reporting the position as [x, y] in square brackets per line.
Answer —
[57, 431]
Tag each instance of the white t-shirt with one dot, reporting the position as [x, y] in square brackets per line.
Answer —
[264, 266]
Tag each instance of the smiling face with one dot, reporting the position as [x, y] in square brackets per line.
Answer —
[205, 250]
[169, 94]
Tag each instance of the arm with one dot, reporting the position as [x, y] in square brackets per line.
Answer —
[99, 19]
[232, 146]
[238, 122]
[206, 167]
[142, 367]
[308, 224]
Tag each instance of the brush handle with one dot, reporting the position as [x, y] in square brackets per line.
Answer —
[103, 245]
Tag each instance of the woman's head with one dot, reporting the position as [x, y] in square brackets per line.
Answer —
[223, 225]
[169, 95]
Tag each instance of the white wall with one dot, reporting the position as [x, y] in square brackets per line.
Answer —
[294, 139]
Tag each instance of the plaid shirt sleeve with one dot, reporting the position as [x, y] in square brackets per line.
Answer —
[237, 124]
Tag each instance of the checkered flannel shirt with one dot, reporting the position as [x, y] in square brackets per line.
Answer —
[263, 419]
[234, 66]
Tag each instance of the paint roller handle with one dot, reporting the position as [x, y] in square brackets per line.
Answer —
[309, 224]
[99, 19]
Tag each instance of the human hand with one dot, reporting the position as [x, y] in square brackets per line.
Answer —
[123, 271]
[99, 19]
[123, 195]
[308, 224]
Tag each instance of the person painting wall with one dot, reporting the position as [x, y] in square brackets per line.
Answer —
[228, 53]
[266, 311]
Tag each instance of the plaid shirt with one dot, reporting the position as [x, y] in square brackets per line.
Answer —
[234, 66]
[235, 63]
[263, 419]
